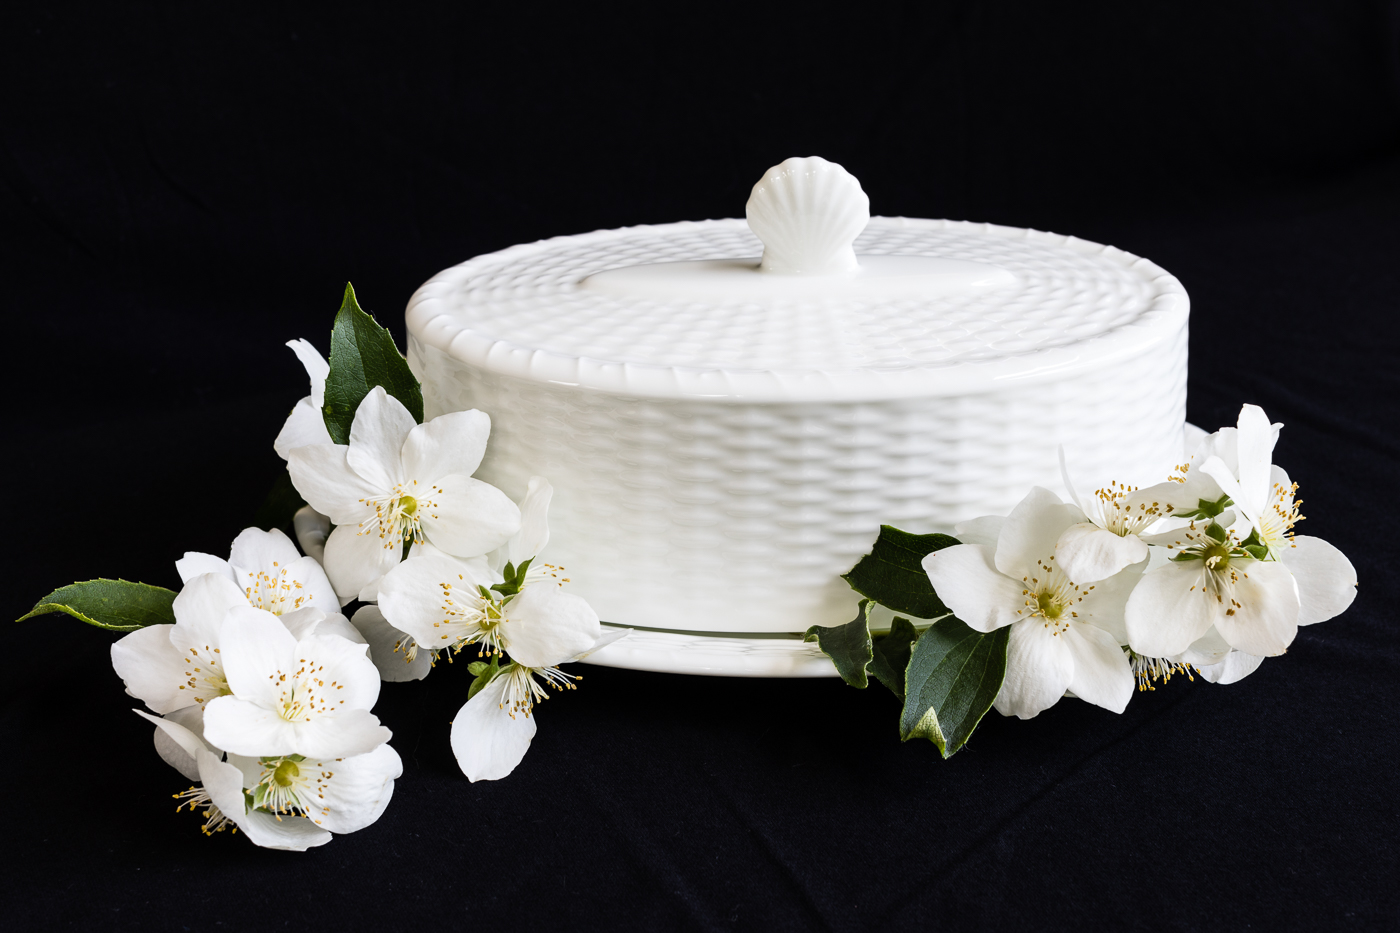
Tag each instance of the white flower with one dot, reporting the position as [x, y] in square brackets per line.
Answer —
[310, 697]
[224, 804]
[306, 425]
[273, 576]
[1213, 581]
[396, 483]
[1109, 538]
[445, 604]
[1255, 582]
[394, 653]
[1265, 497]
[1064, 636]
[341, 795]
[170, 667]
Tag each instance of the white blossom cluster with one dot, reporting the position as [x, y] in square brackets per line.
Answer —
[1202, 572]
[262, 690]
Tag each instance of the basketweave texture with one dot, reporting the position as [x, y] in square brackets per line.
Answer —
[696, 515]
[718, 464]
[522, 312]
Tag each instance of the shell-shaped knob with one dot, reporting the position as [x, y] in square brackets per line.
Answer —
[808, 212]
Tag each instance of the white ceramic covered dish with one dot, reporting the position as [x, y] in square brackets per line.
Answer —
[728, 410]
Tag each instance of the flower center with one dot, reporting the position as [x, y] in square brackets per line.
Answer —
[288, 785]
[305, 693]
[1149, 670]
[523, 690]
[1216, 556]
[398, 516]
[275, 591]
[204, 675]
[1051, 597]
[1276, 524]
[1125, 518]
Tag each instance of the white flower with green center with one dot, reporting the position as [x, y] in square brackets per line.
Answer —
[310, 697]
[341, 795]
[225, 804]
[306, 425]
[1064, 636]
[444, 604]
[1255, 581]
[1265, 498]
[398, 483]
[1213, 580]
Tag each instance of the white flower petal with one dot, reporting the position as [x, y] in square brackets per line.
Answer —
[471, 517]
[246, 728]
[200, 608]
[411, 596]
[308, 582]
[377, 435]
[609, 636]
[1169, 609]
[1102, 604]
[353, 560]
[1234, 667]
[317, 369]
[304, 427]
[1326, 579]
[312, 528]
[534, 522]
[965, 579]
[1208, 650]
[195, 563]
[1256, 451]
[335, 623]
[346, 663]
[1039, 669]
[1102, 674]
[322, 474]
[448, 444]
[358, 792]
[302, 622]
[152, 668]
[545, 626]
[386, 646]
[487, 740]
[984, 530]
[289, 834]
[177, 739]
[254, 645]
[1266, 619]
[1088, 553]
[340, 734]
[1031, 530]
[254, 550]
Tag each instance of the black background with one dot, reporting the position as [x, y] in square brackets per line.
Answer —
[187, 186]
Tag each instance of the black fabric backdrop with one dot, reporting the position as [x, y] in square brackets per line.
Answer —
[187, 186]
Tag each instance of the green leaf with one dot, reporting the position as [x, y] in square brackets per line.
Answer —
[891, 655]
[847, 645]
[280, 506]
[892, 574]
[116, 605]
[1206, 508]
[363, 356]
[953, 676]
[1216, 532]
[484, 675]
[514, 578]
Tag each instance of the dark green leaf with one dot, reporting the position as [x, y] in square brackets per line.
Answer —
[891, 655]
[116, 605]
[1257, 551]
[363, 356]
[280, 506]
[847, 645]
[484, 675]
[476, 667]
[953, 676]
[892, 575]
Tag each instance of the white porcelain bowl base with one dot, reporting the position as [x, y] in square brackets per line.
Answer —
[736, 655]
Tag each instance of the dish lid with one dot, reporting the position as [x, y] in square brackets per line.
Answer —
[809, 299]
